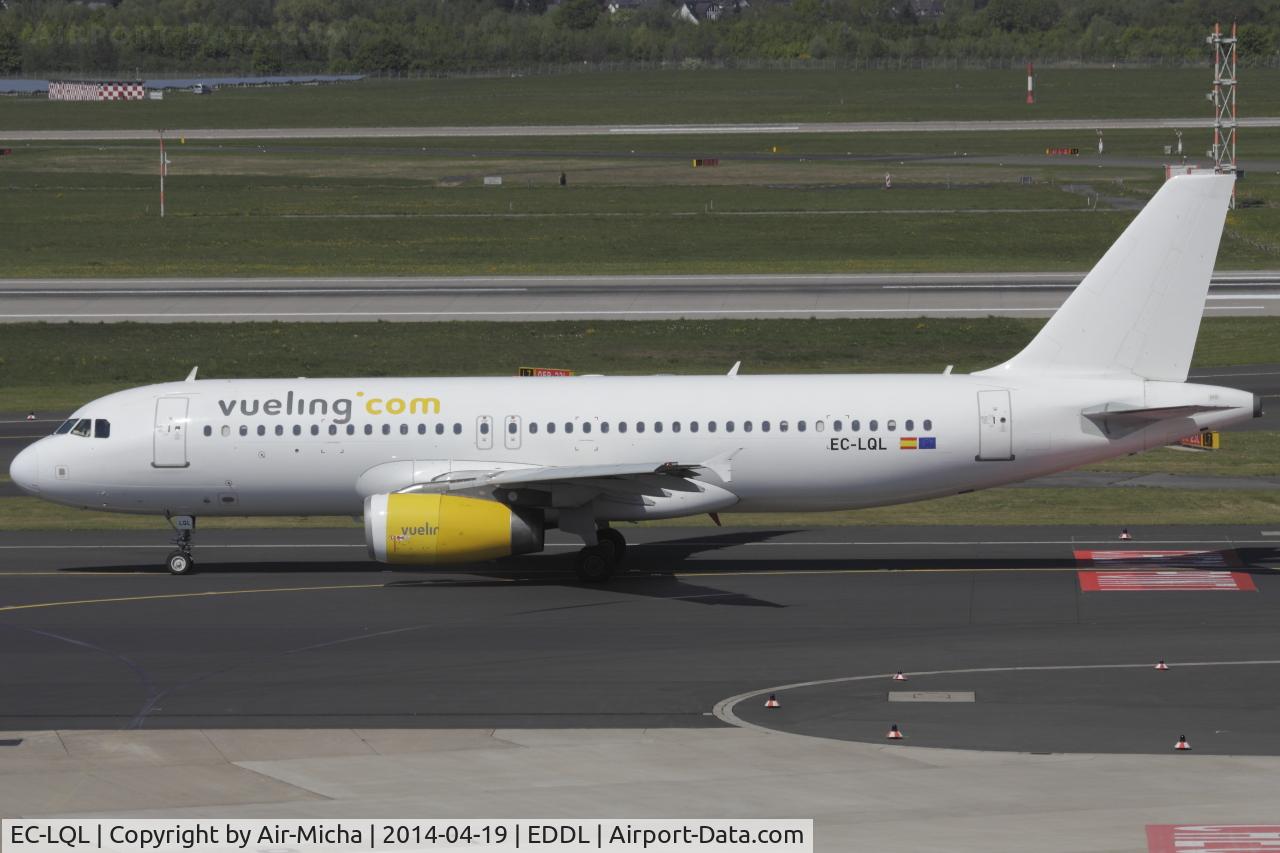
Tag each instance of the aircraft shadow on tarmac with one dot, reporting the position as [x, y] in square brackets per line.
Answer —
[664, 569]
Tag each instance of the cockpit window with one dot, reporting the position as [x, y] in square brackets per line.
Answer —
[101, 428]
[65, 427]
[82, 427]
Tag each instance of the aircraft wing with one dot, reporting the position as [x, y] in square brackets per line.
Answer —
[627, 477]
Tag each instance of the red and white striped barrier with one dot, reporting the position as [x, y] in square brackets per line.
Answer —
[78, 90]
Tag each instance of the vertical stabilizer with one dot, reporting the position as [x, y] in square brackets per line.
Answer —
[1138, 311]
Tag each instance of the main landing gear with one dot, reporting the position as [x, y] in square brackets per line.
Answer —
[180, 562]
[597, 563]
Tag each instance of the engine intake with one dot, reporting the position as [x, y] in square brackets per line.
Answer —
[427, 529]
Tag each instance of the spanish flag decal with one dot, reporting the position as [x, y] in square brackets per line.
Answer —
[907, 443]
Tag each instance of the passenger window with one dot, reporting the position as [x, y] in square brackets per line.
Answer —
[639, 426]
[82, 428]
[351, 429]
[800, 426]
[872, 426]
[102, 429]
[764, 426]
[568, 426]
[891, 425]
[746, 426]
[422, 429]
[457, 429]
[657, 426]
[837, 425]
[586, 427]
[65, 427]
[693, 426]
[533, 427]
[404, 429]
[386, 429]
[226, 431]
[782, 426]
[368, 429]
[819, 425]
[208, 430]
[484, 427]
[439, 429]
[511, 428]
[551, 427]
[711, 426]
[262, 430]
[297, 429]
[910, 425]
[604, 426]
[315, 429]
[728, 426]
[675, 426]
[622, 426]
[244, 430]
[928, 425]
[855, 426]
[279, 429]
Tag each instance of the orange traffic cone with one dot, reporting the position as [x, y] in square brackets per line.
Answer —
[772, 702]
[896, 734]
[1182, 743]
[899, 676]
[1162, 666]
[1124, 534]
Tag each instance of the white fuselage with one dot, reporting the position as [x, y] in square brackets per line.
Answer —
[801, 442]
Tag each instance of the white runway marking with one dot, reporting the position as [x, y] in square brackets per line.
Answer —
[724, 708]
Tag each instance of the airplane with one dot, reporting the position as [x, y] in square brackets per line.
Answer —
[458, 470]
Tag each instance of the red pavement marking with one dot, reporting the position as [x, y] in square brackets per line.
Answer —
[1149, 581]
[1205, 838]
[1227, 559]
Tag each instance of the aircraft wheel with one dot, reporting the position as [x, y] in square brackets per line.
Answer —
[180, 563]
[619, 542]
[596, 563]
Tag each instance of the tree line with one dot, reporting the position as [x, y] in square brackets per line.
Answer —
[443, 36]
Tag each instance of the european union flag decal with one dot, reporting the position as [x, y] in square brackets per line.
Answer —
[928, 442]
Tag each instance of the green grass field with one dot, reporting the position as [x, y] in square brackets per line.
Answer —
[672, 97]
[54, 367]
[338, 208]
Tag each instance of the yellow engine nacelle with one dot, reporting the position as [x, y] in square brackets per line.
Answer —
[425, 529]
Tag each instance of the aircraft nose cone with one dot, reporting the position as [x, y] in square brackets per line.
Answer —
[25, 470]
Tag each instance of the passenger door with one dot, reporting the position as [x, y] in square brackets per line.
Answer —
[484, 432]
[169, 443]
[995, 427]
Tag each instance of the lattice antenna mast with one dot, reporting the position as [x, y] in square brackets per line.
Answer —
[1223, 97]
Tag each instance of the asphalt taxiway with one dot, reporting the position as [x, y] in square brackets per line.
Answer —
[634, 297]
[293, 678]
[97, 636]
[705, 129]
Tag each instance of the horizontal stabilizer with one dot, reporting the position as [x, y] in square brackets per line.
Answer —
[1121, 412]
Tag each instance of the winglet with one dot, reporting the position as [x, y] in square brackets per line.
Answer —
[191, 377]
[733, 371]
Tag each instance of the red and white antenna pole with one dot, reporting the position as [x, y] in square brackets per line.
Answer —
[1031, 89]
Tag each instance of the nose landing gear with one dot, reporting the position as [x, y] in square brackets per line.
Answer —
[180, 562]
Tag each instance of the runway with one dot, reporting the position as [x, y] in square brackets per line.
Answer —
[636, 297]
[292, 678]
[708, 129]
[97, 636]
